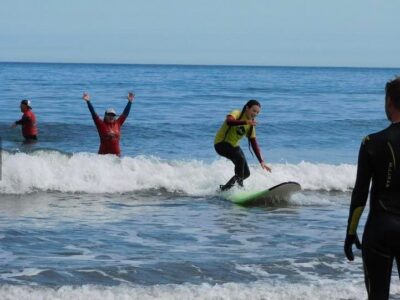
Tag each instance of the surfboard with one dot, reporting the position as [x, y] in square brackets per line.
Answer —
[280, 192]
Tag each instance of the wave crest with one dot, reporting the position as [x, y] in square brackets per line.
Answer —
[91, 173]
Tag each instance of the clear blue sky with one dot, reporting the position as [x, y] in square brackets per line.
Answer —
[237, 32]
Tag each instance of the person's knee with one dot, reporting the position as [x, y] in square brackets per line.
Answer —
[241, 168]
[239, 165]
[239, 160]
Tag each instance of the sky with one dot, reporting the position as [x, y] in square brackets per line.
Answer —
[361, 33]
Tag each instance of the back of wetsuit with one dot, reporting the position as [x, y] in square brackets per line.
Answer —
[383, 149]
[378, 160]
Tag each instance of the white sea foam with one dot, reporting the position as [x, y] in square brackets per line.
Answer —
[323, 289]
[91, 173]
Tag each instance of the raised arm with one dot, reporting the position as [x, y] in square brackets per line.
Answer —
[125, 113]
[86, 98]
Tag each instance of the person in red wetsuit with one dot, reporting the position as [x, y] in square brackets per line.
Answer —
[28, 122]
[109, 128]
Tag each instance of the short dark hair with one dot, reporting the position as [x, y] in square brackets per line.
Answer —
[392, 90]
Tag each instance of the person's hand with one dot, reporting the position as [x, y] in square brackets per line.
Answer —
[348, 245]
[251, 122]
[13, 125]
[86, 97]
[131, 97]
[265, 167]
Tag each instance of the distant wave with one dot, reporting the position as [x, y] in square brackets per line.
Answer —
[90, 173]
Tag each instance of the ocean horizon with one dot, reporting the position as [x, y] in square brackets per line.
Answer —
[201, 65]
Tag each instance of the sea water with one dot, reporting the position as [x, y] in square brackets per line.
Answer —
[151, 224]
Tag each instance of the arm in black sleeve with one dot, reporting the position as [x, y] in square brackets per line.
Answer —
[24, 120]
[127, 109]
[231, 121]
[361, 189]
[256, 149]
[91, 109]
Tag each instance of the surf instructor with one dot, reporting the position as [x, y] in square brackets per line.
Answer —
[237, 125]
[379, 161]
[109, 128]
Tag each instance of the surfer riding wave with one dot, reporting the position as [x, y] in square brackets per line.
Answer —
[226, 143]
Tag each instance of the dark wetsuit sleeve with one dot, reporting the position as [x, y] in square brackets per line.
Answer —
[127, 109]
[24, 120]
[125, 113]
[91, 109]
[256, 149]
[96, 118]
[361, 189]
[231, 121]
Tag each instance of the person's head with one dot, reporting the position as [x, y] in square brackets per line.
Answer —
[109, 115]
[25, 105]
[392, 99]
[251, 109]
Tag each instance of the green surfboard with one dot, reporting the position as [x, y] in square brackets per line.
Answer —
[280, 192]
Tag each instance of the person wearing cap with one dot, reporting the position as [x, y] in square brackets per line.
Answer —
[28, 122]
[109, 128]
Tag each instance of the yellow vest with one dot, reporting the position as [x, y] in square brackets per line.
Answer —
[233, 134]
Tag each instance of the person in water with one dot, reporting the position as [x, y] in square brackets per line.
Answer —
[237, 125]
[379, 160]
[109, 128]
[27, 122]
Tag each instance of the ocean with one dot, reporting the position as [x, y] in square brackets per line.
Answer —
[151, 224]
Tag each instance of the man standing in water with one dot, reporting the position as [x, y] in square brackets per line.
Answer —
[28, 122]
[379, 160]
[109, 128]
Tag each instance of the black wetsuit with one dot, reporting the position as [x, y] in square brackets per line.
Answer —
[379, 160]
[230, 149]
[236, 155]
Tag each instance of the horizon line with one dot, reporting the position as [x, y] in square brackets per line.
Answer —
[197, 65]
